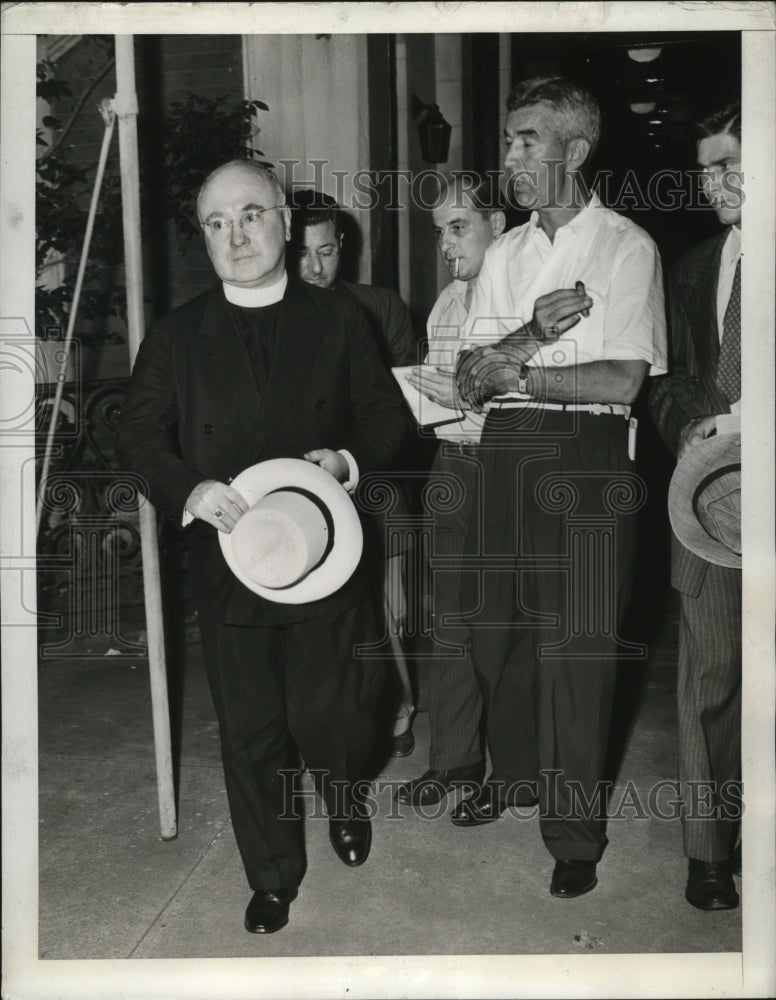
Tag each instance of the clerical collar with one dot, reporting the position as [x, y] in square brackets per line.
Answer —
[253, 298]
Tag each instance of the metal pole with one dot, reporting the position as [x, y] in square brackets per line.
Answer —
[109, 119]
[125, 107]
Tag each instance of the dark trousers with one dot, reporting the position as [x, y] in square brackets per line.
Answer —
[455, 703]
[556, 550]
[280, 691]
[709, 701]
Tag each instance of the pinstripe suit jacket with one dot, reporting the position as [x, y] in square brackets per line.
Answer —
[689, 390]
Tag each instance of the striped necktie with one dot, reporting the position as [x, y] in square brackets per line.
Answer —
[729, 364]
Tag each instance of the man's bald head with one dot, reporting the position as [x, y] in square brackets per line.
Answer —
[243, 213]
[242, 165]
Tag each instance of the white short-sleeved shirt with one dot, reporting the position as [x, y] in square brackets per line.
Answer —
[445, 328]
[620, 267]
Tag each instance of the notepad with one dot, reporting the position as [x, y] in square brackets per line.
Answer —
[425, 412]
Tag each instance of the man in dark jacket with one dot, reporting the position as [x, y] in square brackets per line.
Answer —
[316, 244]
[704, 313]
[263, 366]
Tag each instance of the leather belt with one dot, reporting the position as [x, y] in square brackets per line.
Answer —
[616, 409]
[462, 447]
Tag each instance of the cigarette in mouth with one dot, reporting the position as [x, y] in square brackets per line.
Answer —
[580, 287]
[457, 265]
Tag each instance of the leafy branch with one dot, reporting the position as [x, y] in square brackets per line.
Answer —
[225, 129]
[57, 89]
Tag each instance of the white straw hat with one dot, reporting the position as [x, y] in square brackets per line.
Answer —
[704, 500]
[301, 538]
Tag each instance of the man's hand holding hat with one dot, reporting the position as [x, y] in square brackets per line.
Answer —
[217, 503]
[330, 461]
[695, 432]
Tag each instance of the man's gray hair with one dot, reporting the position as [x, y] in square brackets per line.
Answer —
[576, 111]
[259, 168]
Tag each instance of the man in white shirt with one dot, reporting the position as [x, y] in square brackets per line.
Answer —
[705, 381]
[467, 218]
[573, 300]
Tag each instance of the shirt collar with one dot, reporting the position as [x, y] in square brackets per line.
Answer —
[253, 298]
[733, 243]
[584, 219]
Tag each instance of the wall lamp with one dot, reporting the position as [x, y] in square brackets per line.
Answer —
[433, 131]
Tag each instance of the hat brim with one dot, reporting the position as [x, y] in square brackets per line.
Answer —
[717, 452]
[339, 565]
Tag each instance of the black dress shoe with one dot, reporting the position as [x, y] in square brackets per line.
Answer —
[484, 806]
[351, 839]
[403, 746]
[573, 878]
[710, 885]
[433, 786]
[268, 910]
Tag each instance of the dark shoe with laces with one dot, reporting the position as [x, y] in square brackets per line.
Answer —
[403, 745]
[351, 839]
[486, 805]
[710, 885]
[573, 878]
[434, 785]
[268, 910]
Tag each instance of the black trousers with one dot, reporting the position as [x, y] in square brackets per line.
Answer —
[282, 691]
[554, 553]
[455, 703]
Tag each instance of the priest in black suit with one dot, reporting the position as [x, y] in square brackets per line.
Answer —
[704, 380]
[263, 366]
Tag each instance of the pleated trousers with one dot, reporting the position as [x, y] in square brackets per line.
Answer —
[557, 545]
[281, 691]
[709, 704]
[455, 703]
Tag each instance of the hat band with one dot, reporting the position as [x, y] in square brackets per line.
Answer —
[708, 480]
[326, 516]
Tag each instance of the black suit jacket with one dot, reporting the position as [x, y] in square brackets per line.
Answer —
[689, 390]
[193, 412]
[389, 320]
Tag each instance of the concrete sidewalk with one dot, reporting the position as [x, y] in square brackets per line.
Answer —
[111, 888]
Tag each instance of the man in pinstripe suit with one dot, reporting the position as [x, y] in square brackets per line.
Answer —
[704, 381]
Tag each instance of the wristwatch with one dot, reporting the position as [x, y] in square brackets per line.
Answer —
[522, 381]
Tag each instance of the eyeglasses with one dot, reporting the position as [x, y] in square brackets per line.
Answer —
[250, 222]
[326, 254]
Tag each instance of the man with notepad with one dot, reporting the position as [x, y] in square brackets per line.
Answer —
[567, 320]
[467, 218]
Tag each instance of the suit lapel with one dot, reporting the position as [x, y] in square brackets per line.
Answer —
[298, 338]
[701, 290]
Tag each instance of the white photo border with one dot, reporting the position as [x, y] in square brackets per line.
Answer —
[749, 974]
